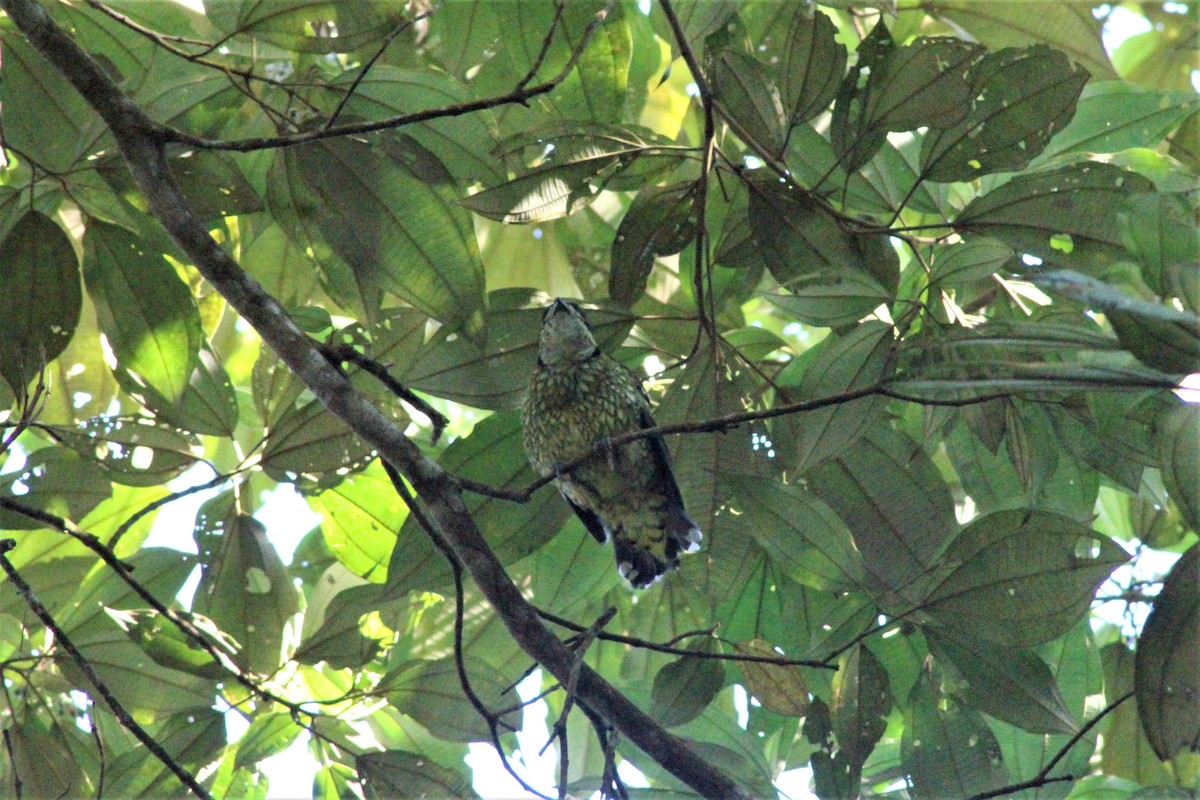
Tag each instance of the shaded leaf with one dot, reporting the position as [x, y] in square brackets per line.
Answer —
[946, 750]
[396, 773]
[1033, 211]
[839, 364]
[1008, 683]
[780, 688]
[658, 223]
[40, 297]
[895, 503]
[1021, 577]
[56, 481]
[1178, 431]
[134, 451]
[685, 687]
[398, 232]
[862, 700]
[1166, 680]
[1115, 116]
[244, 586]
[834, 775]
[430, 692]
[749, 100]
[1021, 98]
[811, 65]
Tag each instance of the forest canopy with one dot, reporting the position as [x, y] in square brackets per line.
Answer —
[914, 291]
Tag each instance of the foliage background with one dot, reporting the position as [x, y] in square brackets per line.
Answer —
[944, 285]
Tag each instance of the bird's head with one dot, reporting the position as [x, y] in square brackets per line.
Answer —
[566, 338]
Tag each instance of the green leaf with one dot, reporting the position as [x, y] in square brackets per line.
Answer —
[1135, 758]
[40, 297]
[64, 127]
[145, 311]
[361, 516]
[659, 222]
[1021, 577]
[1021, 97]
[923, 84]
[749, 100]
[834, 778]
[1159, 230]
[168, 645]
[395, 773]
[56, 481]
[244, 586]
[839, 364]
[1178, 431]
[493, 454]
[799, 533]
[800, 239]
[861, 703]
[946, 750]
[134, 452]
[1115, 115]
[685, 687]
[304, 24]
[895, 503]
[1080, 201]
[332, 621]
[811, 65]
[461, 143]
[1069, 27]
[213, 185]
[405, 236]
[208, 404]
[267, 735]
[430, 693]
[1166, 680]
[780, 688]
[831, 300]
[40, 764]
[1008, 683]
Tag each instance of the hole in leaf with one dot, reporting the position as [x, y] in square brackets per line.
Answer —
[1062, 242]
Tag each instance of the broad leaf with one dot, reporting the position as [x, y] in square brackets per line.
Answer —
[1167, 683]
[862, 700]
[244, 586]
[896, 505]
[145, 311]
[779, 687]
[1008, 683]
[40, 298]
[749, 101]
[1021, 577]
[396, 773]
[1022, 97]
[658, 223]
[685, 687]
[1066, 216]
[431, 693]
[946, 750]
[361, 517]
[402, 234]
[135, 452]
[839, 364]
[811, 66]
[55, 481]
[1177, 434]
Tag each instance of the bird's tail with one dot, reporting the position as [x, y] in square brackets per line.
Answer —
[643, 559]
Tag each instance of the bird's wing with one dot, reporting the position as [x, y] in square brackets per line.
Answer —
[662, 458]
[590, 519]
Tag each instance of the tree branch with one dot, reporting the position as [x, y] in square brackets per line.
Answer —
[60, 636]
[141, 141]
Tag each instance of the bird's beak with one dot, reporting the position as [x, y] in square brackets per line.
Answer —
[558, 306]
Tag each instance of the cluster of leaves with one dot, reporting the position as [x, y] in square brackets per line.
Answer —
[976, 241]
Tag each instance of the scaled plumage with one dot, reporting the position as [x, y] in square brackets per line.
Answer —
[579, 396]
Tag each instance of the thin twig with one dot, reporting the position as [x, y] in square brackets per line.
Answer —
[1042, 778]
[166, 134]
[370, 62]
[123, 716]
[347, 353]
[560, 6]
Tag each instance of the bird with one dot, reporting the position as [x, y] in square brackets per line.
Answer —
[579, 396]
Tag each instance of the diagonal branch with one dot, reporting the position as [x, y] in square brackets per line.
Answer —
[141, 141]
[89, 672]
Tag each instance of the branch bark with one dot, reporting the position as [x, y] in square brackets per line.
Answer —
[142, 142]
